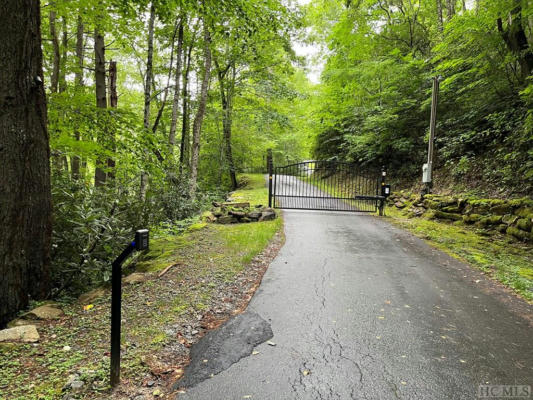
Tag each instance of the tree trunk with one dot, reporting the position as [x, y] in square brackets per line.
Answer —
[54, 79]
[78, 81]
[63, 60]
[450, 5]
[440, 22]
[198, 119]
[148, 91]
[113, 103]
[175, 103]
[227, 88]
[101, 97]
[25, 197]
[515, 38]
[184, 148]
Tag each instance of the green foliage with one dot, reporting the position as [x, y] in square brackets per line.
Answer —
[376, 90]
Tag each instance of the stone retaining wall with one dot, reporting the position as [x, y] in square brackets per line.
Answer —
[511, 217]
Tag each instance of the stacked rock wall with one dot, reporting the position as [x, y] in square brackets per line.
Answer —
[512, 217]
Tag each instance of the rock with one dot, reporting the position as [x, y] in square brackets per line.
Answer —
[267, 216]
[227, 219]
[489, 221]
[208, 217]
[246, 220]
[236, 205]
[67, 348]
[501, 209]
[524, 224]
[259, 206]
[46, 312]
[218, 213]
[509, 219]
[21, 322]
[449, 216]
[150, 383]
[24, 334]
[502, 228]
[89, 297]
[238, 214]
[76, 386]
[134, 278]
[71, 378]
[140, 397]
[518, 233]
[452, 209]
[399, 205]
[254, 215]
[471, 218]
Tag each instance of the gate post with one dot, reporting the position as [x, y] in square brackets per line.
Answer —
[269, 169]
[382, 200]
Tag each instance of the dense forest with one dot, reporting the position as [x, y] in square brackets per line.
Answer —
[376, 90]
[151, 109]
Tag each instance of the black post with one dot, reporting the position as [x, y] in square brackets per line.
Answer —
[141, 243]
[269, 169]
[116, 299]
[382, 201]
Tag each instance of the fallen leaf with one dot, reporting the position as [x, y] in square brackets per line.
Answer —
[247, 396]
[255, 352]
[403, 383]
[387, 301]
[463, 361]
[156, 392]
[205, 361]
[381, 317]
[88, 307]
[306, 372]
[270, 343]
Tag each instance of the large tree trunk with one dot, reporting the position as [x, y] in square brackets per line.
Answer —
[25, 198]
[78, 80]
[175, 103]
[54, 79]
[184, 148]
[199, 118]
[101, 96]
[148, 90]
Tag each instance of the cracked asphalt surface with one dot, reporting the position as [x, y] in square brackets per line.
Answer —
[360, 309]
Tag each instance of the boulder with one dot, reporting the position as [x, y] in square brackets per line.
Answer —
[254, 215]
[134, 278]
[399, 205]
[509, 219]
[227, 219]
[22, 322]
[452, 209]
[238, 214]
[45, 312]
[489, 221]
[89, 297]
[208, 217]
[267, 215]
[235, 205]
[218, 213]
[471, 218]
[518, 233]
[23, 334]
[449, 216]
[501, 209]
[524, 224]
[502, 228]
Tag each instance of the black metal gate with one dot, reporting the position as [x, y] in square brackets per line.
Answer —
[326, 185]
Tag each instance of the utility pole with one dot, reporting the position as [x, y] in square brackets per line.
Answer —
[427, 169]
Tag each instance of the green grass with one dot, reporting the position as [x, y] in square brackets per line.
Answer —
[205, 257]
[502, 258]
[254, 190]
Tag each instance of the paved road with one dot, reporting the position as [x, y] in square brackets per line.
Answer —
[362, 310]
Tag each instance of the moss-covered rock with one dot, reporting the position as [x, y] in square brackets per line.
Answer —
[502, 228]
[489, 221]
[509, 219]
[524, 224]
[518, 233]
[525, 212]
[471, 218]
[452, 209]
[448, 216]
[501, 209]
